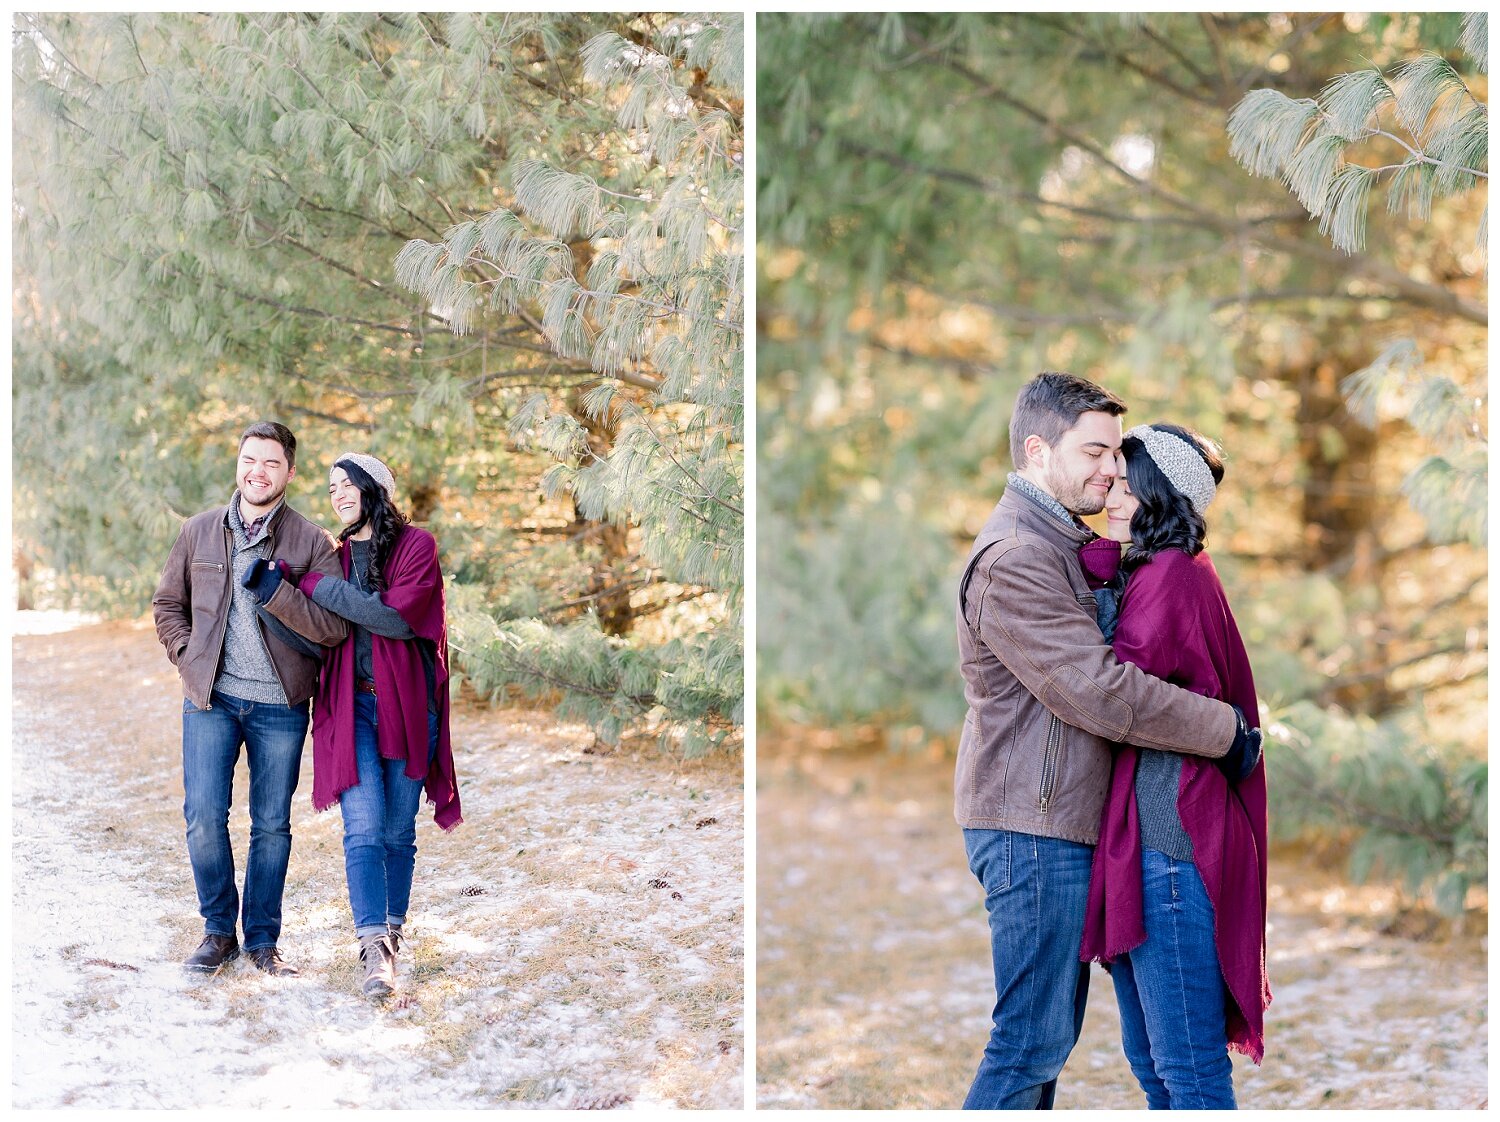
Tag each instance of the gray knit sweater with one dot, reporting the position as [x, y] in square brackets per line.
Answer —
[1157, 775]
[245, 669]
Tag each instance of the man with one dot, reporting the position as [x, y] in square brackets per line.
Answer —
[245, 682]
[1046, 697]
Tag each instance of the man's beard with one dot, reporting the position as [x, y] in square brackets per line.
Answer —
[266, 503]
[1075, 496]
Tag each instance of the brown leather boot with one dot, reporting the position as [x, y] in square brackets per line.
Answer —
[212, 953]
[379, 961]
[269, 959]
[396, 937]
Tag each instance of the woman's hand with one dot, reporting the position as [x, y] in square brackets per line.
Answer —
[1244, 753]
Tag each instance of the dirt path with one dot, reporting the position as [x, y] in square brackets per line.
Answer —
[547, 968]
[874, 983]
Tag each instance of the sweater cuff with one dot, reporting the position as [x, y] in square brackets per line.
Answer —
[1100, 559]
[309, 582]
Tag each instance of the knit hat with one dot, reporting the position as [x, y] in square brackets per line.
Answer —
[371, 467]
[1180, 462]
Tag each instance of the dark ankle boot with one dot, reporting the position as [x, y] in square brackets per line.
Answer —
[212, 953]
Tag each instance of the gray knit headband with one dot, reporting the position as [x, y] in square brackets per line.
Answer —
[371, 467]
[1184, 468]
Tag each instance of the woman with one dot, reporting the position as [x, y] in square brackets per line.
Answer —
[1177, 899]
[380, 716]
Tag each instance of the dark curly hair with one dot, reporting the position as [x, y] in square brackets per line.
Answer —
[378, 512]
[1166, 518]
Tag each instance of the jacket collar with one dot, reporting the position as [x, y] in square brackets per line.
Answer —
[1030, 516]
[1015, 481]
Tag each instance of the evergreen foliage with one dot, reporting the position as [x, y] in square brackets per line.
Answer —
[1419, 814]
[1449, 487]
[949, 203]
[660, 309]
[213, 218]
[1306, 141]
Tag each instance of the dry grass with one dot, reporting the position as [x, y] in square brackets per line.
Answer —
[540, 967]
[875, 985]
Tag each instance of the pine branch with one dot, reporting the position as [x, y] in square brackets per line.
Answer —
[642, 702]
[327, 418]
[1070, 28]
[603, 593]
[476, 260]
[1179, 54]
[1408, 290]
[1429, 295]
[1227, 84]
[703, 489]
[1384, 672]
[999, 189]
[1294, 37]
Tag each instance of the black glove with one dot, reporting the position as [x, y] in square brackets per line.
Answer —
[1244, 753]
[263, 578]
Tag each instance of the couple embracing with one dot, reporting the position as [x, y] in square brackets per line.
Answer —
[265, 618]
[1109, 779]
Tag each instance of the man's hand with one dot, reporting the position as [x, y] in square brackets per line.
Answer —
[1244, 753]
[265, 575]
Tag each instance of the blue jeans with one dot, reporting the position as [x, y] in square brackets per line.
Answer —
[272, 735]
[380, 826]
[1036, 891]
[1171, 994]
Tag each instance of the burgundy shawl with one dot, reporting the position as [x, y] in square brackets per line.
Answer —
[1175, 623]
[414, 587]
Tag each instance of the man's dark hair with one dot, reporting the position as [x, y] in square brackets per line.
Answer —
[272, 430]
[1166, 518]
[1050, 404]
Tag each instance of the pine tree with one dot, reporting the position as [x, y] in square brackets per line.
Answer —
[1307, 142]
[209, 212]
[949, 203]
[658, 313]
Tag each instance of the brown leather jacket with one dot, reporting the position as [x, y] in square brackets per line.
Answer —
[191, 605]
[1046, 694]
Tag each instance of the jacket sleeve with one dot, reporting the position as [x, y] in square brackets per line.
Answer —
[172, 606]
[1026, 614]
[301, 614]
[287, 635]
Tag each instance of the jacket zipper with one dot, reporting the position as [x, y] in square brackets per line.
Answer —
[1049, 761]
[224, 627]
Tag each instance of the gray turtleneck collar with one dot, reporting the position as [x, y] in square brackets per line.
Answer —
[1030, 490]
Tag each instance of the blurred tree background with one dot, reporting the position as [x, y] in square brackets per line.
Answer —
[1269, 227]
[501, 251]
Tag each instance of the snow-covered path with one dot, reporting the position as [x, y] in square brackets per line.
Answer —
[546, 967]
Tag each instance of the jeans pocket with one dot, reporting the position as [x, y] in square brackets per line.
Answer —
[189, 707]
[990, 859]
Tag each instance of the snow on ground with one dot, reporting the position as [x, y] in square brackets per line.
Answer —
[875, 984]
[578, 942]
